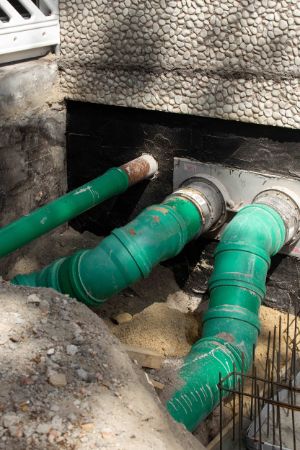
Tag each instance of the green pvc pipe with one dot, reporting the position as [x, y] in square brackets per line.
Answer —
[231, 323]
[35, 224]
[127, 255]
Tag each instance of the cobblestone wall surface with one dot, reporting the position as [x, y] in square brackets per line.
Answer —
[233, 59]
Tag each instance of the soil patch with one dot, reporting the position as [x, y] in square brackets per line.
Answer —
[166, 331]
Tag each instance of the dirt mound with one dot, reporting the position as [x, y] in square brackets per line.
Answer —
[66, 382]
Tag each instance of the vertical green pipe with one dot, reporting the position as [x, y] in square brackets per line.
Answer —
[113, 182]
[125, 256]
[231, 323]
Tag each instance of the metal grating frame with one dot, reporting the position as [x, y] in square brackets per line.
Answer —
[27, 28]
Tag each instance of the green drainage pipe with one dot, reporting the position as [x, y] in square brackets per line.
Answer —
[237, 287]
[129, 253]
[113, 182]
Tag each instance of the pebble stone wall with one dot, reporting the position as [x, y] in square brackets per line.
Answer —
[231, 59]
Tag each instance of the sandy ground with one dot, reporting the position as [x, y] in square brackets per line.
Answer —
[160, 328]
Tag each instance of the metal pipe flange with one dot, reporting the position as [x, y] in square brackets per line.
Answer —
[208, 199]
[287, 204]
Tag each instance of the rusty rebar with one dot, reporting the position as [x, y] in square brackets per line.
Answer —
[278, 407]
[269, 393]
[287, 346]
[267, 362]
[240, 427]
[233, 410]
[273, 381]
[241, 412]
[252, 381]
[255, 401]
[259, 418]
[221, 411]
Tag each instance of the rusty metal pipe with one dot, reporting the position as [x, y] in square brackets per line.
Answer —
[140, 168]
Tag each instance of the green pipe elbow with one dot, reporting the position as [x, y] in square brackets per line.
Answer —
[127, 255]
[231, 323]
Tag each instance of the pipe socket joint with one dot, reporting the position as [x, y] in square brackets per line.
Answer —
[287, 204]
[207, 198]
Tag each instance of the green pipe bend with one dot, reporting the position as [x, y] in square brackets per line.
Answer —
[231, 323]
[127, 255]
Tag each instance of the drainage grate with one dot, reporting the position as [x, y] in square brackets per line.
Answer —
[28, 28]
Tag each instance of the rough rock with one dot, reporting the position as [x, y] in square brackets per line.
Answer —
[123, 318]
[57, 379]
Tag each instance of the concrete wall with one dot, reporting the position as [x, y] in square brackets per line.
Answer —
[233, 59]
[32, 144]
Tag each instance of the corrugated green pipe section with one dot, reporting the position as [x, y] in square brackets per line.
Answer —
[128, 254]
[61, 210]
[231, 323]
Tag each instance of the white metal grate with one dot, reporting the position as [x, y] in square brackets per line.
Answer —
[28, 28]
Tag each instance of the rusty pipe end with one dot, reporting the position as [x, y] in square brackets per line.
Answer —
[140, 168]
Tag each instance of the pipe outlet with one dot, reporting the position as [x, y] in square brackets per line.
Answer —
[287, 204]
[140, 168]
[209, 200]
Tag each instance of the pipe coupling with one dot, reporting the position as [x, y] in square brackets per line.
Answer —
[286, 203]
[207, 198]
